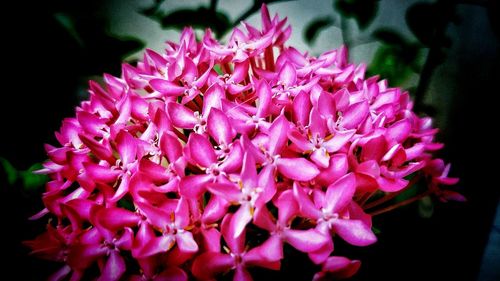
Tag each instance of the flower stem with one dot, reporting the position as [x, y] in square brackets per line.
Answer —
[400, 204]
[390, 196]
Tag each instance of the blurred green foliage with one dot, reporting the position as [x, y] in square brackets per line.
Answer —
[28, 179]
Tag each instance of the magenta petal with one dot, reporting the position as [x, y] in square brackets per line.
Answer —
[370, 168]
[248, 171]
[240, 72]
[301, 108]
[100, 173]
[340, 138]
[215, 209]
[322, 253]
[156, 216]
[297, 168]
[116, 219]
[278, 135]
[228, 191]
[60, 274]
[265, 98]
[268, 184]
[201, 150]
[300, 141]
[171, 274]
[241, 218]
[186, 243]
[166, 87]
[287, 74]
[114, 268]
[155, 172]
[339, 194]
[157, 245]
[209, 264]
[241, 274]
[391, 185]
[272, 248]
[235, 243]
[326, 105]
[287, 207]
[232, 163]
[212, 99]
[355, 114]
[193, 186]
[306, 206]
[182, 215]
[337, 168]
[305, 240]
[264, 219]
[181, 116]
[354, 232]
[317, 124]
[126, 240]
[122, 189]
[219, 127]
[399, 131]
[102, 151]
[170, 146]
[210, 240]
[321, 157]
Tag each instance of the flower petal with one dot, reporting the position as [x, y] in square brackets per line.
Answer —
[287, 74]
[219, 127]
[278, 135]
[228, 191]
[208, 265]
[339, 139]
[201, 150]
[355, 232]
[340, 193]
[212, 99]
[241, 218]
[193, 186]
[298, 169]
[305, 240]
[321, 157]
[306, 206]
[114, 268]
[265, 98]
[166, 87]
[181, 116]
[186, 243]
[170, 146]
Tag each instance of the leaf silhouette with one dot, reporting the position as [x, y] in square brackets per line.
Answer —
[363, 11]
[313, 29]
[200, 18]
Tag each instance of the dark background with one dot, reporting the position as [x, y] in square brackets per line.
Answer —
[45, 72]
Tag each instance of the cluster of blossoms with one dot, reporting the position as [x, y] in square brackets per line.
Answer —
[208, 158]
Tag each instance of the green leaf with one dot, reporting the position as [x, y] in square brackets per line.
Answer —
[313, 29]
[376, 231]
[126, 203]
[363, 11]
[394, 62]
[426, 207]
[10, 171]
[389, 36]
[153, 10]
[33, 181]
[200, 18]
[68, 23]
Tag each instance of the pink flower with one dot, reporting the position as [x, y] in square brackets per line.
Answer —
[250, 141]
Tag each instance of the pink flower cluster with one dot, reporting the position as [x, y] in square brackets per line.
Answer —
[208, 158]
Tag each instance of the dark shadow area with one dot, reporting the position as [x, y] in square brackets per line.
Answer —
[47, 70]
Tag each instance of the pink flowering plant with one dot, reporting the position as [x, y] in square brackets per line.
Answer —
[208, 158]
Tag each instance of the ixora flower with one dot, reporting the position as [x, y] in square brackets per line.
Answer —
[208, 158]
